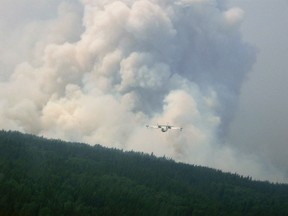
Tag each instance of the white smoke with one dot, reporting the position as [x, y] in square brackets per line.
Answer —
[99, 71]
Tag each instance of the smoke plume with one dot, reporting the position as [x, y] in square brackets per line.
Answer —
[99, 71]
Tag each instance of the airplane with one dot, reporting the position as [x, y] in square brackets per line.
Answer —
[164, 128]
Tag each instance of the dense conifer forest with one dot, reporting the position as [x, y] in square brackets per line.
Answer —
[50, 177]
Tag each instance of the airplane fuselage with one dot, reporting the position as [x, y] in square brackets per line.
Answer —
[164, 128]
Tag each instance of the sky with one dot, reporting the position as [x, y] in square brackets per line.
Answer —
[261, 123]
[99, 71]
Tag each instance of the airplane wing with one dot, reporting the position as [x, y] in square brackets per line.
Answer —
[153, 126]
[164, 126]
[171, 127]
[176, 128]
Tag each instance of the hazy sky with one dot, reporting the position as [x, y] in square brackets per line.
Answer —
[99, 71]
[261, 123]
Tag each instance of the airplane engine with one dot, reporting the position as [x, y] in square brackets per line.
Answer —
[164, 129]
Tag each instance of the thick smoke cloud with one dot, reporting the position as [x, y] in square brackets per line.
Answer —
[99, 71]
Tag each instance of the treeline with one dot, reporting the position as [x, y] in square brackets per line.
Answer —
[50, 177]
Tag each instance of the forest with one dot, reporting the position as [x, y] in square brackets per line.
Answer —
[40, 176]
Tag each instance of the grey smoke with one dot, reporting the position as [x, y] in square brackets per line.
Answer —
[98, 71]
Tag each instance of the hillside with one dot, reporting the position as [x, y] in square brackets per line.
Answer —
[50, 177]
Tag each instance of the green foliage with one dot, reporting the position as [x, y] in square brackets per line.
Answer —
[51, 177]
